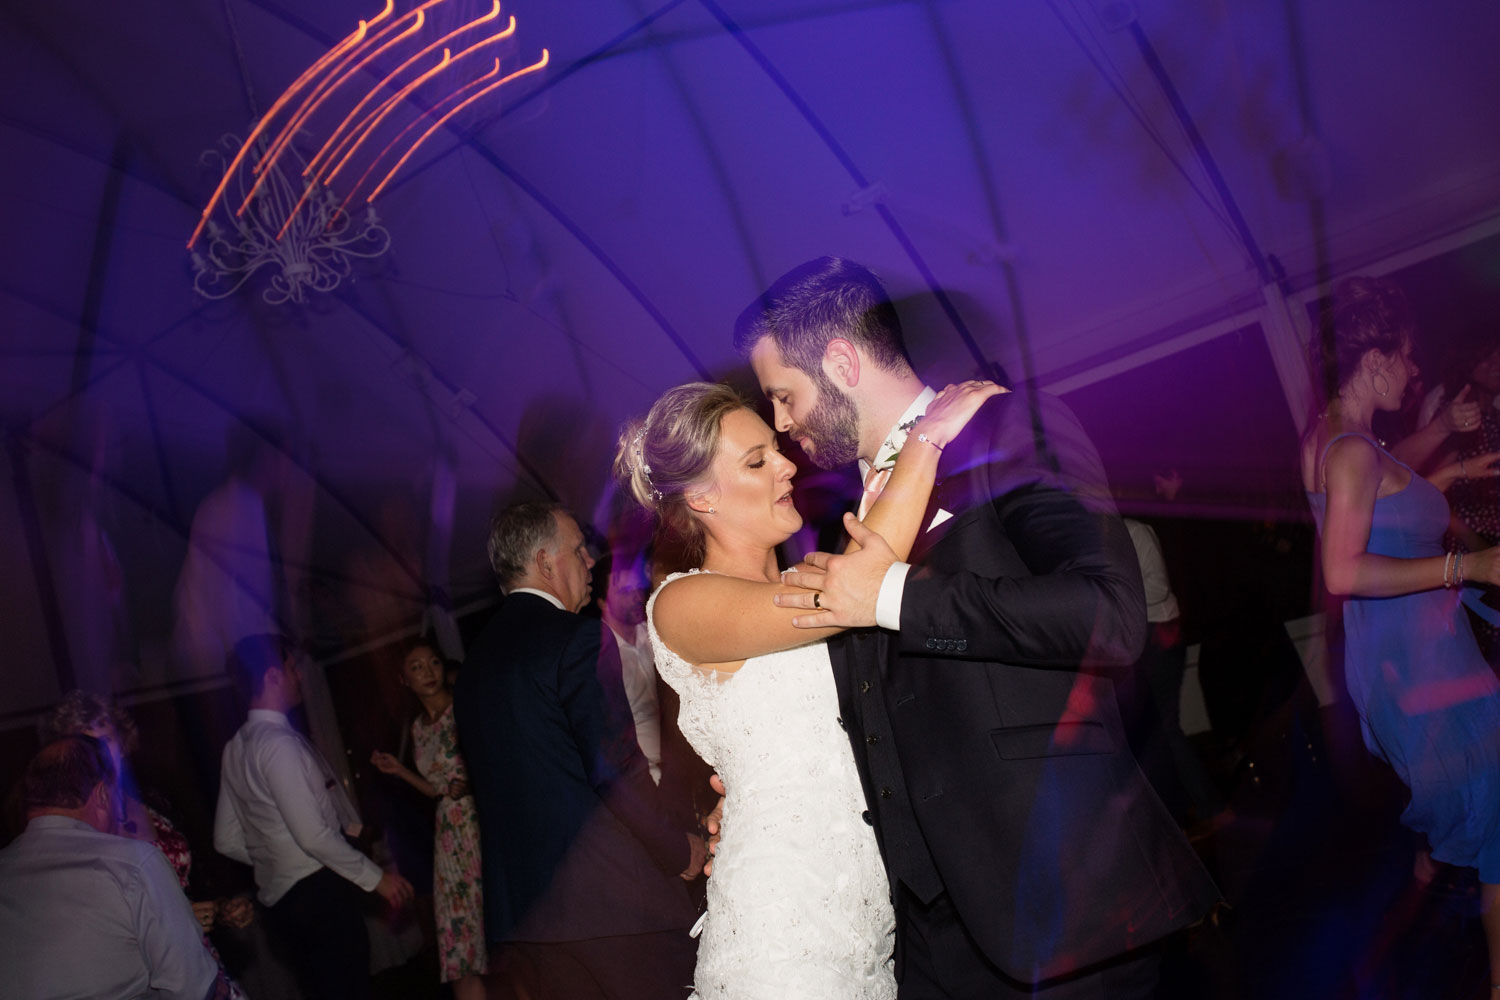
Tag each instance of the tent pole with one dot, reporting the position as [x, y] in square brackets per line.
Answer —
[41, 564]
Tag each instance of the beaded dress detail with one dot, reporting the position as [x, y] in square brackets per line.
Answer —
[798, 904]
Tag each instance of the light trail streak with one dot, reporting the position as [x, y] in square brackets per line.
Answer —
[534, 67]
[331, 83]
[395, 100]
[367, 128]
[354, 38]
[343, 206]
[432, 47]
[316, 86]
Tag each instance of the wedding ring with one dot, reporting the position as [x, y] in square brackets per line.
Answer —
[816, 602]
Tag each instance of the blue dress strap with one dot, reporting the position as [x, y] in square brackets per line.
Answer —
[1323, 458]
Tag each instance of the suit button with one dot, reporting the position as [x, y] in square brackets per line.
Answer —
[841, 724]
[867, 817]
[872, 739]
[963, 644]
[932, 644]
[864, 687]
[885, 793]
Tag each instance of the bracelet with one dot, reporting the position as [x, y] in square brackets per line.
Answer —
[1458, 571]
[927, 440]
[1448, 570]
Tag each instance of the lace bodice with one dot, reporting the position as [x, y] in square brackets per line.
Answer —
[798, 904]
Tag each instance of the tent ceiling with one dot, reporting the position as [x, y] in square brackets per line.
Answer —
[556, 265]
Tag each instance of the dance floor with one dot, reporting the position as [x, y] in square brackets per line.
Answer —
[1318, 873]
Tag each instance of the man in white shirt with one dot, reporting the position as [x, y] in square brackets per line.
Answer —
[283, 812]
[84, 913]
[624, 611]
[1151, 696]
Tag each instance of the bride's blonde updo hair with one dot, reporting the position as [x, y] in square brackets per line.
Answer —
[659, 459]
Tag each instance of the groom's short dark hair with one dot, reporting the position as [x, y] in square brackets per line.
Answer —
[815, 302]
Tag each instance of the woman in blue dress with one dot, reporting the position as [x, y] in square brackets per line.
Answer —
[1428, 702]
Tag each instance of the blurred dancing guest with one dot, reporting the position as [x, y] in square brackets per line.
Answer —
[1428, 703]
[283, 812]
[230, 586]
[1476, 499]
[459, 901]
[84, 913]
[798, 904]
[1152, 697]
[82, 712]
[624, 611]
[584, 892]
[1027, 854]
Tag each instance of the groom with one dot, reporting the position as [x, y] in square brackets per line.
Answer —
[1026, 852]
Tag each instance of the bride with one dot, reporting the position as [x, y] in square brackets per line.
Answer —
[798, 905]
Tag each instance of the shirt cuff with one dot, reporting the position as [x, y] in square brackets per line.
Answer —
[369, 875]
[888, 603]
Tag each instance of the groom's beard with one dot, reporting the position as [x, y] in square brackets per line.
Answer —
[832, 427]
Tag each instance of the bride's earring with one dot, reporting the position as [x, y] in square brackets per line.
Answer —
[1385, 381]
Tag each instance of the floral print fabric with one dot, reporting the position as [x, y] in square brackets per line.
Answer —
[458, 902]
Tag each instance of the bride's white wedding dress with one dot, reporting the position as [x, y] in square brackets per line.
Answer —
[798, 904]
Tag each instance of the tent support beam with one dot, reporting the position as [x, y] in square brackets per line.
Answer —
[104, 238]
[733, 30]
[41, 564]
[1280, 325]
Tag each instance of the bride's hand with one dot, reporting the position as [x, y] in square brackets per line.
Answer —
[949, 413]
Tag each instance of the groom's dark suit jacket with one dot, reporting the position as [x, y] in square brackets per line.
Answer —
[986, 731]
[575, 842]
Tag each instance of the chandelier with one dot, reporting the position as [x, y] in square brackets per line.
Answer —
[315, 252]
[309, 219]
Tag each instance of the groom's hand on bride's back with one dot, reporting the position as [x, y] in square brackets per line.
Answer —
[697, 856]
[711, 822]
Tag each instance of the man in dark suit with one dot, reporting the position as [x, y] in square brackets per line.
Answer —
[584, 890]
[1027, 854]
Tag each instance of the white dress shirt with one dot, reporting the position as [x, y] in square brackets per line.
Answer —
[551, 599]
[88, 914]
[1161, 603]
[282, 811]
[638, 672]
[893, 586]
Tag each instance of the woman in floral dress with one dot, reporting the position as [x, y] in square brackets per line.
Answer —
[458, 903]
